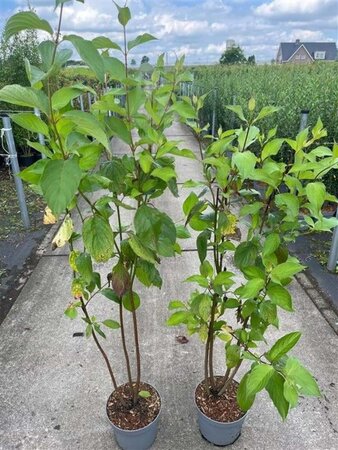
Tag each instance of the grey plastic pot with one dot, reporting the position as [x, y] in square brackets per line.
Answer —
[140, 439]
[219, 433]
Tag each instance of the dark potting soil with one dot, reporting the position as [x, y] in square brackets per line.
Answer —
[121, 412]
[222, 408]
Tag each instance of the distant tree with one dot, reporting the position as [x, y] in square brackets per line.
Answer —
[233, 55]
[12, 54]
[252, 60]
[273, 61]
[74, 62]
[145, 59]
[133, 62]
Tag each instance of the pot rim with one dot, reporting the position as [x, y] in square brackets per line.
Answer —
[213, 420]
[138, 429]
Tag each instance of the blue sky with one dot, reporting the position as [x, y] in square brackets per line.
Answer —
[198, 28]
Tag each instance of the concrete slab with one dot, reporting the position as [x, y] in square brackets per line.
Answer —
[53, 386]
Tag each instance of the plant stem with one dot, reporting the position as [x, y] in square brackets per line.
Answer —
[265, 214]
[103, 353]
[211, 343]
[229, 380]
[119, 221]
[124, 345]
[206, 367]
[136, 341]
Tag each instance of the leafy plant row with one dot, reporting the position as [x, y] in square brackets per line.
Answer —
[292, 88]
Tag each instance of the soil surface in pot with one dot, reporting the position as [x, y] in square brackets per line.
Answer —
[123, 414]
[222, 408]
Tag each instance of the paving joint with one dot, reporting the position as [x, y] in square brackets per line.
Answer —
[322, 303]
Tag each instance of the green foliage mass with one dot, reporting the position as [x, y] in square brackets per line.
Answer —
[292, 88]
[12, 71]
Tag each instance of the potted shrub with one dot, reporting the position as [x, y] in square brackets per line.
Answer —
[244, 233]
[79, 161]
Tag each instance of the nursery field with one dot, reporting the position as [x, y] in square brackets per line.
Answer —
[292, 88]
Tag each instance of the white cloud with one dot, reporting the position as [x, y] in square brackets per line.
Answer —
[294, 8]
[168, 25]
[199, 28]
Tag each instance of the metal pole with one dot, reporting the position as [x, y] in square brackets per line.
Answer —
[333, 257]
[213, 120]
[81, 103]
[303, 119]
[40, 135]
[15, 168]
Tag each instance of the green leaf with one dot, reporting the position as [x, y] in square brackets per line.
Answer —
[233, 355]
[140, 250]
[275, 388]
[33, 173]
[189, 203]
[271, 244]
[305, 382]
[251, 209]
[245, 162]
[290, 393]
[124, 14]
[88, 54]
[89, 125]
[144, 394]
[271, 148]
[118, 128]
[84, 266]
[237, 109]
[25, 20]
[258, 378]
[265, 112]
[136, 99]
[202, 245]
[111, 324]
[89, 155]
[141, 39]
[286, 270]
[246, 254]
[177, 318]
[175, 304]
[202, 281]
[104, 42]
[71, 312]
[131, 301]
[59, 183]
[164, 173]
[110, 294]
[280, 296]
[204, 307]
[289, 203]
[184, 109]
[252, 288]
[63, 96]
[282, 346]
[98, 238]
[245, 399]
[24, 96]
[206, 269]
[147, 274]
[248, 308]
[316, 193]
[30, 122]
[223, 279]
[182, 232]
[115, 68]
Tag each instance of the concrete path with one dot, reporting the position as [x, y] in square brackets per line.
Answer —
[54, 385]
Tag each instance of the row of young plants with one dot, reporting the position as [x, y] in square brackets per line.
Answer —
[275, 201]
[291, 87]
